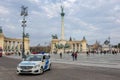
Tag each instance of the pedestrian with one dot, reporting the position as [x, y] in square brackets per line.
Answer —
[72, 56]
[15, 53]
[60, 55]
[19, 53]
[75, 55]
[87, 53]
[113, 52]
[100, 52]
[27, 53]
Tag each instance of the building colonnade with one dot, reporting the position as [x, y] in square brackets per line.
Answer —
[74, 46]
[12, 45]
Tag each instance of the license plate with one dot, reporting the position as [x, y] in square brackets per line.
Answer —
[25, 70]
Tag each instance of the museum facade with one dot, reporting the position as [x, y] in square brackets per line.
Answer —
[13, 45]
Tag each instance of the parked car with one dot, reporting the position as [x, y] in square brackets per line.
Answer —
[0, 52]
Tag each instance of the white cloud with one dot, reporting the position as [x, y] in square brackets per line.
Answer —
[95, 19]
[117, 8]
[4, 10]
[93, 27]
[118, 21]
[52, 10]
[35, 1]
[69, 3]
[11, 27]
[87, 26]
[4, 19]
[36, 13]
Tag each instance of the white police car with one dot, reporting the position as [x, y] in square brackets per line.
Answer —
[35, 64]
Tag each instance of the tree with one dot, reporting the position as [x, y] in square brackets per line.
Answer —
[61, 46]
[118, 45]
[58, 46]
[66, 46]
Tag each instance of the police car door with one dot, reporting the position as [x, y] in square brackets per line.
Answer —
[46, 66]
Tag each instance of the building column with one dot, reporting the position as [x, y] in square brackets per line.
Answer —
[78, 47]
[9, 46]
[7, 43]
[13, 45]
[75, 47]
[18, 46]
[5, 46]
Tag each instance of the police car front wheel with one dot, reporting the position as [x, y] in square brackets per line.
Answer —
[41, 70]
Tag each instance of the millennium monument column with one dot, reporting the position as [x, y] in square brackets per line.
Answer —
[62, 45]
[62, 23]
[62, 41]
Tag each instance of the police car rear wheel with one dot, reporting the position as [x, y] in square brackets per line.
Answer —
[49, 67]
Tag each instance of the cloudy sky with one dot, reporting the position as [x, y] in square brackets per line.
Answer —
[94, 19]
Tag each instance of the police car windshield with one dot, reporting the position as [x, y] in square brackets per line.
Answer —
[33, 58]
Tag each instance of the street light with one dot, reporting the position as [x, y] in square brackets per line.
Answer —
[24, 13]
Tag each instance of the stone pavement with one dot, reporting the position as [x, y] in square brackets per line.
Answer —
[98, 60]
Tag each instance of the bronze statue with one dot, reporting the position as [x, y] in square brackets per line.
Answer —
[54, 36]
[0, 29]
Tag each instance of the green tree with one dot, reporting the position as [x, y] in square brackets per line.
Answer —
[66, 46]
[61, 46]
[118, 45]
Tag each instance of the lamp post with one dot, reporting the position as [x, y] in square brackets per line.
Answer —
[24, 13]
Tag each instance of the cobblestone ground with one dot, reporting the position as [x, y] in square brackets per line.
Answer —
[100, 60]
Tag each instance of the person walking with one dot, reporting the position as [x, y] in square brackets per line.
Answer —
[87, 53]
[73, 56]
[60, 55]
[19, 53]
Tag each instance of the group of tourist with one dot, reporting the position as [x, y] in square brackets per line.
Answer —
[102, 52]
[74, 55]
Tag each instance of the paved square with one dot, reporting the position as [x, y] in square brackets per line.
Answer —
[100, 60]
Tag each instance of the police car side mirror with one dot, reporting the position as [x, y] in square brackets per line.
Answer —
[43, 57]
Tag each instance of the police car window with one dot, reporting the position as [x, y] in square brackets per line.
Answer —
[33, 58]
[47, 57]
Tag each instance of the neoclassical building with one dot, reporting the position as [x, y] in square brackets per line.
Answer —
[62, 46]
[11, 45]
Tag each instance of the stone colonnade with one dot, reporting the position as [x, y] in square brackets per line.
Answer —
[12, 45]
[76, 47]
[79, 46]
